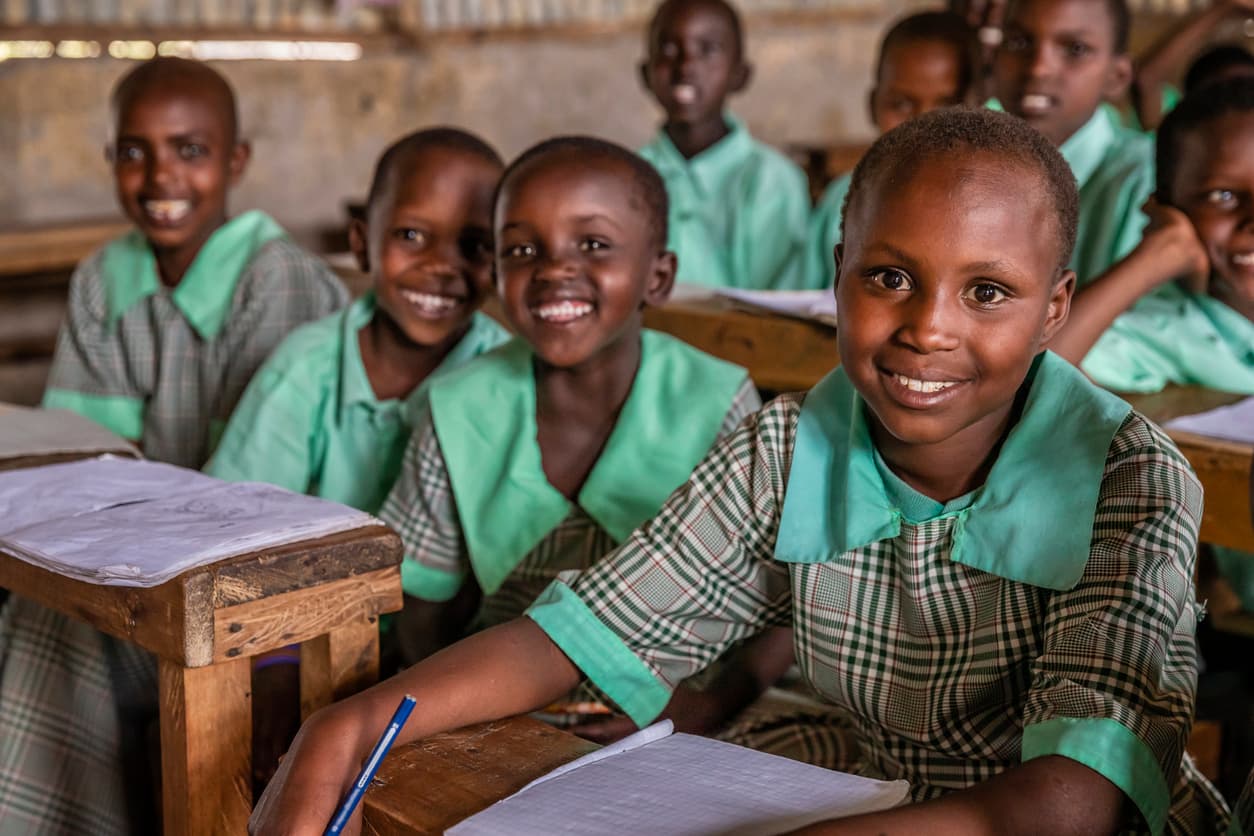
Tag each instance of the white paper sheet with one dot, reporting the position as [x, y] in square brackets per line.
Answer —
[40, 432]
[818, 305]
[681, 785]
[1234, 422]
[136, 523]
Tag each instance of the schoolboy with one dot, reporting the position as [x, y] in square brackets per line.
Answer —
[1059, 61]
[926, 61]
[738, 208]
[1135, 328]
[544, 454]
[1021, 675]
[164, 328]
[331, 411]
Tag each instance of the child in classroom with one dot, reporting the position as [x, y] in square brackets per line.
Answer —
[165, 327]
[543, 455]
[739, 208]
[926, 60]
[1022, 676]
[1058, 62]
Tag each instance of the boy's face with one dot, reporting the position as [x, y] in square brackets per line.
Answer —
[174, 159]
[694, 62]
[941, 313]
[430, 242]
[1213, 184]
[1057, 63]
[576, 259]
[916, 77]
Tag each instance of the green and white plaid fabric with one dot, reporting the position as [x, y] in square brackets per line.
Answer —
[948, 674]
[422, 510]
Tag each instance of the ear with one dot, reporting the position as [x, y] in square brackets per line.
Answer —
[359, 243]
[1118, 78]
[1059, 306]
[661, 279]
[241, 153]
[741, 75]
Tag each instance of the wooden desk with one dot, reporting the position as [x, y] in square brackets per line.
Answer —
[203, 626]
[54, 248]
[429, 786]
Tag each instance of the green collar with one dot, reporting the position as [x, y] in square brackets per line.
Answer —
[836, 501]
[485, 419]
[205, 293]
[714, 162]
[355, 386]
[1085, 149]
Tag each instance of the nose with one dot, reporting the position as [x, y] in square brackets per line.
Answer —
[1042, 60]
[928, 324]
[555, 267]
[160, 169]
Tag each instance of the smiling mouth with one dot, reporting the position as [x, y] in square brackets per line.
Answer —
[430, 305]
[166, 211]
[917, 393]
[563, 312]
[1244, 260]
[684, 94]
[1035, 104]
[927, 386]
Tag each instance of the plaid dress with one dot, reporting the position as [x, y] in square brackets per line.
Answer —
[947, 674]
[74, 702]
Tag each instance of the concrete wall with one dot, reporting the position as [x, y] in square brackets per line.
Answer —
[316, 128]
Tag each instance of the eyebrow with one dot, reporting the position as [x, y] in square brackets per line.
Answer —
[996, 265]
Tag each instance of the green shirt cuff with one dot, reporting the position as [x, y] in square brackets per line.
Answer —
[599, 653]
[1111, 750]
[121, 414]
[429, 584]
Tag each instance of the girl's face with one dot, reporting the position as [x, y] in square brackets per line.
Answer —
[949, 285]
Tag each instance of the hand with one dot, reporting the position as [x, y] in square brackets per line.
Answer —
[692, 712]
[1177, 251]
[312, 779]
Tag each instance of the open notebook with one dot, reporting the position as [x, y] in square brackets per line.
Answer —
[666, 784]
[125, 522]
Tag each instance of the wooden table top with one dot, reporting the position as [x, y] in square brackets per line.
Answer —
[428, 786]
[236, 607]
[54, 248]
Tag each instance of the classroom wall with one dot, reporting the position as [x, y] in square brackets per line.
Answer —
[317, 127]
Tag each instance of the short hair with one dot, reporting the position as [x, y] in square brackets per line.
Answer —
[405, 149]
[165, 72]
[920, 141]
[645, 179]
[721, 6]
[942, 26]
[1215, 62]
[1205, 105]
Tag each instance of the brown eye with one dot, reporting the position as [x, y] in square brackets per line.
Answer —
[986, 294]
[890, 279]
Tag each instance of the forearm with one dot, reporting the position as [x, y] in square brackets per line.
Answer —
[1053, 795]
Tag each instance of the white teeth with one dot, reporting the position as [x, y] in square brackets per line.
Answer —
[1243, 259]
[167, 211]
[1035, 102]
[684, 93]
[429, 303]
[567, 311]
[924, 385]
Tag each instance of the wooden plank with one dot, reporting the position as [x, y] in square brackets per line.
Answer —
[206, 747]
[302, 614]
[781, 354]
[45, 249]
[1224, 471]
[428, 786]
[338, 664]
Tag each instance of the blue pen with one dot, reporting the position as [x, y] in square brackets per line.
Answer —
[372, 765]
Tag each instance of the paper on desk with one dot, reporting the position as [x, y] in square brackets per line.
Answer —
[819, 305]
[1234, 422]
[681, 785]
[135, 523]
[42, 432]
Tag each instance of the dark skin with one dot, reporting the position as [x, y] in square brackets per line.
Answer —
[175, 156]
[694, 64]
[916, 77]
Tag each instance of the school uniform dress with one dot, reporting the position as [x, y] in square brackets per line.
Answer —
[960, 639]
[1114, 168]
[310, 421]
[163, 367]
[825, 232]
[738, 212]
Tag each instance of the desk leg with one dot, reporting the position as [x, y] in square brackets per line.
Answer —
[338, 664]
[206, 747]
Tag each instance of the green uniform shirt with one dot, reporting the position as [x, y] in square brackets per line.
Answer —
[738, 212]
[960, 645]
[1175, 336]
[165, 366]
[825, 232]
[1114, 167]
[310, 421]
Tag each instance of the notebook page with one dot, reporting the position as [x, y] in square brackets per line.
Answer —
[1234, 422]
